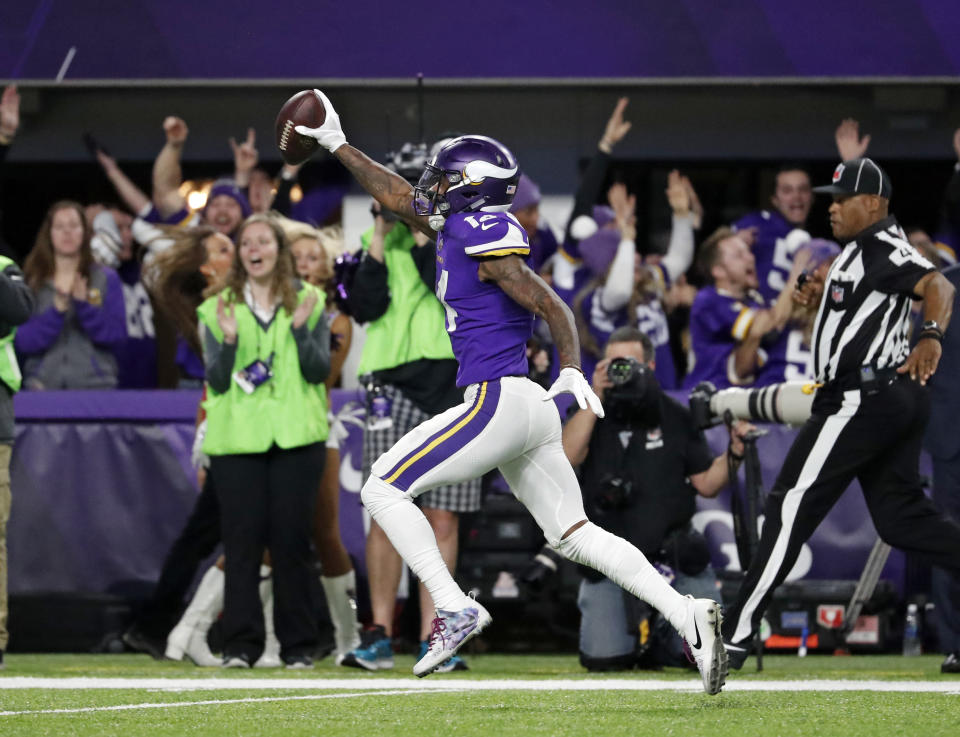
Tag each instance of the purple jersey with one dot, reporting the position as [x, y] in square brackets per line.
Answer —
[788, 358]
[488, 330]
[771, 249]
[543, 244]
[718, 323]
[601, 325]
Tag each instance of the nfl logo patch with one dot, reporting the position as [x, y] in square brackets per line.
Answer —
[837, 173]
[836, 293]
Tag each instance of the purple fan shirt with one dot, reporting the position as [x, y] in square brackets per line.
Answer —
[788, 358]
[718, 323]
[770, 249]
[488, 330]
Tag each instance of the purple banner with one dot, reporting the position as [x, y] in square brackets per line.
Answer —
[100, 493]
[498, 39]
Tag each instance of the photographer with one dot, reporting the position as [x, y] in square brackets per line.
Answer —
[640, 468]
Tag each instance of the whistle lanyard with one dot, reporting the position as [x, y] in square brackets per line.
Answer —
[263, 327]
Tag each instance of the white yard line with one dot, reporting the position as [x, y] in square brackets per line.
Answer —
[214, 702]
[458, 684]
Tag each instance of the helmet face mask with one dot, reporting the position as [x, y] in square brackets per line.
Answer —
[480, 174]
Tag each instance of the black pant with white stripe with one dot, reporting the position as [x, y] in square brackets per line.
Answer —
[874, 438]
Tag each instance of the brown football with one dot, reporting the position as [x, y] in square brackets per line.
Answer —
[304, 108]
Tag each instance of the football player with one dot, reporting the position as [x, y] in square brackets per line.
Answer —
[506, 421]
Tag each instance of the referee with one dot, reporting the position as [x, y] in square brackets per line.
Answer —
[869, 415]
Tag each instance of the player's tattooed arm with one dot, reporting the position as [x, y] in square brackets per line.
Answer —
[389, 189]
[528, 290]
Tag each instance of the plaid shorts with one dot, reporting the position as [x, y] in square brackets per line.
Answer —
[462, 497]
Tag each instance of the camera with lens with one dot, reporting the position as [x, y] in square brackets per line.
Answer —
[788, 403]
[635, 392]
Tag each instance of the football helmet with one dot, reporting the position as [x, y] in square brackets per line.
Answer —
[481, 176]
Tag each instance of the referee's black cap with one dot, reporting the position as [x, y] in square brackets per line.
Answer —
[858, 176]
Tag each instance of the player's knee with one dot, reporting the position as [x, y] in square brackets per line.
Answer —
[378, 496]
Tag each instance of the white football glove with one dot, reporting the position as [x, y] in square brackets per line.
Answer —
[106, 243]
[572, 381]
[330, 134]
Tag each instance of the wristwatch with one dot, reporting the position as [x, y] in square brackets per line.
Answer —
[931, 325]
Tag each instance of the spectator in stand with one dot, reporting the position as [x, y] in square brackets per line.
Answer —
[936, 252]
[197, 261]
[16, 302]
[314, 264]
[948, 232]
[226, 207]
[789, 355]
[266, 327]
[9, 124]
[570, 270]
[766, 232]
[78, 317]
[113, 246]
[526, 209]
[630, 291]
[729, 318]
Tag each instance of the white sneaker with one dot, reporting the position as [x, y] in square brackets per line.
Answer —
[451, 631]
[706, 642]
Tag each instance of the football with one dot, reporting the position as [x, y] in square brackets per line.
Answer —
[304, 108]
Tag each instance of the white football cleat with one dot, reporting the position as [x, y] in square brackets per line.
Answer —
[451, 631]
[706, 642]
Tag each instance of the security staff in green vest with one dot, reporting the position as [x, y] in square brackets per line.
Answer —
[16, 305]
[266, 352]
[411, 376]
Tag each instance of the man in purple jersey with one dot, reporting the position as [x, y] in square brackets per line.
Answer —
[769, 229]
[506, 421]
[729, 318]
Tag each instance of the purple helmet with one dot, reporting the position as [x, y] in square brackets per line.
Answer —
[481, 173]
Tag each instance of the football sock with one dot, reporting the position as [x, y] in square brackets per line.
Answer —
[627, 567]
[413, 538]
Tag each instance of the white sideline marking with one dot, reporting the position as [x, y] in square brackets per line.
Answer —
[215, 702]
[457, 684]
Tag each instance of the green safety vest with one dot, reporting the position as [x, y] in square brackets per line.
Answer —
[286, 410]
[413, 327]
[9, 368]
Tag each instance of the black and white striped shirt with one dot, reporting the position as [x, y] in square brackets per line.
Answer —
[864, 316]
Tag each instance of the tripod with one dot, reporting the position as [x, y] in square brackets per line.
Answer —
[745, 517]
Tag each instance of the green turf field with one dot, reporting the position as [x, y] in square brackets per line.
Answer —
[102, 695]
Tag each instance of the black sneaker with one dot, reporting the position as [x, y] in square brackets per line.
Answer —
[736, 655]
[137, 639]
[950, 665]
[299, 662]
[239, 660]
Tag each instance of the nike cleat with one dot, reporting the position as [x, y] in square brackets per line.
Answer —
[706, 642]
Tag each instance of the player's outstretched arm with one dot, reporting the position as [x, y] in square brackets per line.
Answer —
[389, 189]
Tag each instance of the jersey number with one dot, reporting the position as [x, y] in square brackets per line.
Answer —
[441, 295]
[783, 253]
[476, 223]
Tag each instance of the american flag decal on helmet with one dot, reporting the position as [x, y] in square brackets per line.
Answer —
[838, 172]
